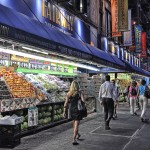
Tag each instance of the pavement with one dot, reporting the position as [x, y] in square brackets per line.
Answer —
[127, 133]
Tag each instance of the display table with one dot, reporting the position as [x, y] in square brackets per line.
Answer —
[10, 135]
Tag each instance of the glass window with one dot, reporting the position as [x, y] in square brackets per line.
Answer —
[108, 23]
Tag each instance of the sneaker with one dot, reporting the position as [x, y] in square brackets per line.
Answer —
[146, 120]
[135, 114]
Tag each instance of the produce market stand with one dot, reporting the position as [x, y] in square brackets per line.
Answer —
[54, 121]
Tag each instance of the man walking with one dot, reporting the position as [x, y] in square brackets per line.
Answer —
[106, 96]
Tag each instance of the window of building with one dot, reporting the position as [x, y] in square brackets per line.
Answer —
[108, 23]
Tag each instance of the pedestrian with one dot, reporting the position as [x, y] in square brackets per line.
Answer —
[106, 96]
[115, 99]
[128, 93]
[119, 89]
[73, 96]
[133, 91]
[143, 100]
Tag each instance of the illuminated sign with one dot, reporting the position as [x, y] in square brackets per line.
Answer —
[56, 14]
[114, 13]
[19, 58]
[138, 38]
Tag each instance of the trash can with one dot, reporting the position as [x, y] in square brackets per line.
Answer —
[10, 131]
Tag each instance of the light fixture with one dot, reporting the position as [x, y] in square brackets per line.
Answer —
[47, 59]
[34, 50]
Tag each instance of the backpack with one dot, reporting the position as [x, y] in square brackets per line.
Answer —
[133, 92]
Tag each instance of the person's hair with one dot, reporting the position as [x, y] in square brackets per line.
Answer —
[107, 77]
[74, 89]
[75, 78]
[134, 83]
[113, 81]
[143, 82]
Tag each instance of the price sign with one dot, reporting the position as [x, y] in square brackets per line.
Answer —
[32, 116]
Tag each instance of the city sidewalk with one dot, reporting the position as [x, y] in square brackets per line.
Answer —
[127, 133]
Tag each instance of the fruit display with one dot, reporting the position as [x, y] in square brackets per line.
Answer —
[19, 87]
[124, 83]
[52, 87]
[58, 112]
[45, 115]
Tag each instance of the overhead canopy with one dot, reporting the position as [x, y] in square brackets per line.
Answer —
[136, 69]
[106, 56]
[43, 33]
[19, 27]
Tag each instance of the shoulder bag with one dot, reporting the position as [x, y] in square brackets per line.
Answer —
[147, 92]
[82, 108]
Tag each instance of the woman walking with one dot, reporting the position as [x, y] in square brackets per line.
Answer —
[143, 100]
[133, 92]
[73, 96]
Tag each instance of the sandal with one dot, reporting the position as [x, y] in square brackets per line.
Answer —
[78, 136]
[75, 143]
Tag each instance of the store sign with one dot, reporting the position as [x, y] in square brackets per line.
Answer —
[24, 37]
[127, 36]
[47, 63]
[114, 13]
[122, 15]
[138, 38]
[144, 47]
[133, 47]
[19, 58]
[4, 56]
[34, 61]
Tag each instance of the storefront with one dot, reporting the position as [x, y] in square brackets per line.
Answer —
[37, 64]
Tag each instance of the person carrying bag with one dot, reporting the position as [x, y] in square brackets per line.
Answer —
[82, 108]
[144, 93]
[77, 108]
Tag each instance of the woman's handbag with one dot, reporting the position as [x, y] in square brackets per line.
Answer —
[82, 108]
[147, 94]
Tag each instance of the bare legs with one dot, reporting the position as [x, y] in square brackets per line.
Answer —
[75, 130]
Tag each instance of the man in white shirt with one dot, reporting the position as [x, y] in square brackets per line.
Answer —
[106, 96]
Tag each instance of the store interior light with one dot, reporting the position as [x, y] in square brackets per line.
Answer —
[34, 50]
[13, 52]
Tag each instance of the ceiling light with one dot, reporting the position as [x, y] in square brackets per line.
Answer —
[34, 50]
